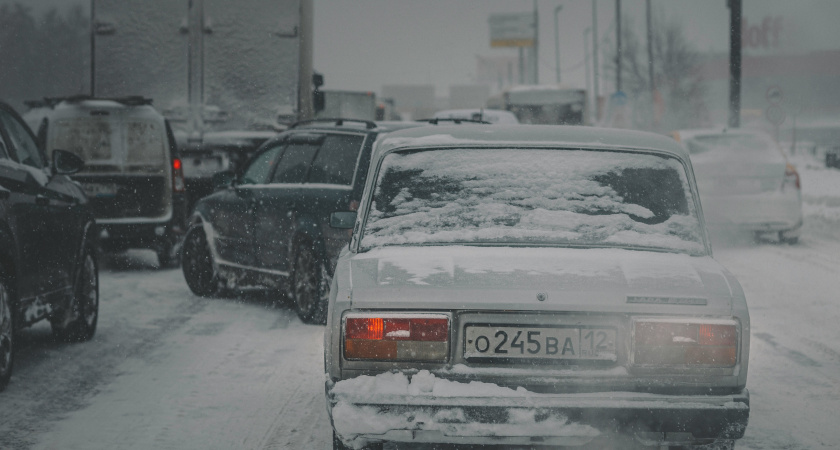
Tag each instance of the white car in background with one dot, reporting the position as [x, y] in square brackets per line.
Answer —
[494, 116]
[533, 285]
[745, 181]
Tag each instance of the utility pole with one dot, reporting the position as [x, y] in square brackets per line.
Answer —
[650, 54]
[586, 63]
[93, 48]
[734, 63]
[535, 66]
[195, 65]
[618, 45]
[595, 58]
[557, 10]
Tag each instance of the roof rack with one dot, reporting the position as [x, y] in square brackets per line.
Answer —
[50, 102]
[454, 120]
[338, 122]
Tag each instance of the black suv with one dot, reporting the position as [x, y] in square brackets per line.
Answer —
[47, 242]
[269, 224]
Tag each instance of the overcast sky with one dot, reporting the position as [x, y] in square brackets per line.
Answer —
[364, 44]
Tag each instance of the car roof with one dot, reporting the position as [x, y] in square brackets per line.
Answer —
[73, 108]
[555, 136]
[362, 126]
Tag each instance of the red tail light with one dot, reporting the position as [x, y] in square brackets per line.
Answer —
[178, 184]
[396, 337]
[791, 177]
[354, 205]
[681, 343]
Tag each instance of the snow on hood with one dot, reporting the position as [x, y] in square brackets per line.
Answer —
[588, 277]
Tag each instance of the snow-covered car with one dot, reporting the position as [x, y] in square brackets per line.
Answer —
[494, 116]
[745, 181]
[533, 285]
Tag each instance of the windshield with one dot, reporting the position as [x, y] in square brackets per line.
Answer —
[739, 143]
[532, 197]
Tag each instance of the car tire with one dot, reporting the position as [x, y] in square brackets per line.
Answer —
[310, 286]
[83, 306]
[167, 256]
[197, 263]
[790, 240]
[339, 445]
[7, 331]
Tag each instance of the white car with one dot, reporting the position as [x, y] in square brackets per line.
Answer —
[494, 116]
[533, 285]
[745, 181]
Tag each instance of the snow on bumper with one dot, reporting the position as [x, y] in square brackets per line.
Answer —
[392, 407]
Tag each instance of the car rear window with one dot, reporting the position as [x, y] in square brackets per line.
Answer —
[742, 143]
[533, 197]
[100, 141]
[90, 138]
[146, 143]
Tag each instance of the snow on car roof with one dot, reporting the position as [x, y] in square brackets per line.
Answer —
[528, 136]
[71, 109]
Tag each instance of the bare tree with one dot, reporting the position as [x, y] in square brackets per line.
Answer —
[680, 90]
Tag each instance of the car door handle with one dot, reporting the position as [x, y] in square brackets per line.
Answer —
[40, 200]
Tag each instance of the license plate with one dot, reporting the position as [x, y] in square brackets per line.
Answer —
[539, 343]
[100, 189]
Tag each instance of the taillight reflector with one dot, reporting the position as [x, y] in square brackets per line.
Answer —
[424, 337]
[685, 343]
[178, 184]
[791, 176]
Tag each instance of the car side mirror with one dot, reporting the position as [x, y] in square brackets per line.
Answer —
[223, 180]
[66, 163]
[343, 219]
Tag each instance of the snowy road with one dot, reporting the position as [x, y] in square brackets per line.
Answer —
[170, 370]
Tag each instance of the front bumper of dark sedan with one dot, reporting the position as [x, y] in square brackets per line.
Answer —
[542, 419]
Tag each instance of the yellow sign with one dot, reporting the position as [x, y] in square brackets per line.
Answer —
[512, 43]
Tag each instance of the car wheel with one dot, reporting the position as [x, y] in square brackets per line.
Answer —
[7, 332]
[338, 445]
[785, 239]
[167, 256]
[310, 286]
[197, 263]
[78, 322]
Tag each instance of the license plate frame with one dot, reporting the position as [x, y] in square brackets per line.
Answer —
[516, 342]
[100, 190]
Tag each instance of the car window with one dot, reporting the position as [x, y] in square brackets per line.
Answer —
[90, 138]
[146, 144]
[257, 172]
[741, 143]
[294, 166]
[22, 146]
[336, 160]
[533, 197]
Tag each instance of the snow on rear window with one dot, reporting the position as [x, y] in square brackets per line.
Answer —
[88, 138]
[532, 197]
[145, 143]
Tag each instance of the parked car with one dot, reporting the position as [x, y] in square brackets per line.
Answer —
[533, 286]
[214, 152]
[268, 225]
[133, 175]
[47, 242]
[745, 181]
[494, 116]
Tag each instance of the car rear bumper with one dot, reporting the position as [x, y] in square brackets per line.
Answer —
[545, 419]
[760, 212]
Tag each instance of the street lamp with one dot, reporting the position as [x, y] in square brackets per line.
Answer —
[557, 10]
